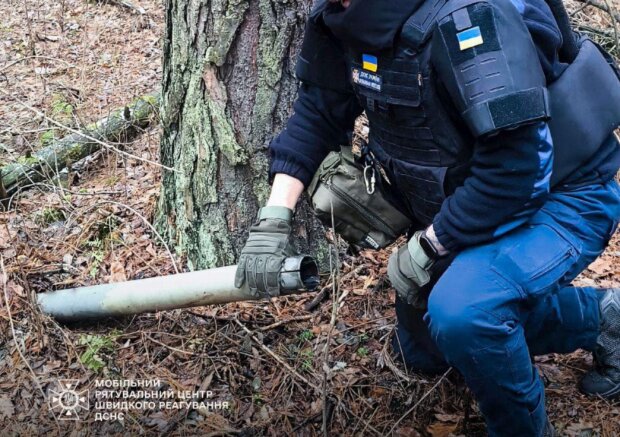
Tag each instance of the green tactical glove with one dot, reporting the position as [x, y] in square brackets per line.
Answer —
[409, 269]
[266, 248]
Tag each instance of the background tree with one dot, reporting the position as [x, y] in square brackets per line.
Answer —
[228, 85]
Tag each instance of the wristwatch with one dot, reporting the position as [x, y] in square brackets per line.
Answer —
[428, 247]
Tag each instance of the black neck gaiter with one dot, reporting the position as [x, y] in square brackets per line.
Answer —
[369, 25]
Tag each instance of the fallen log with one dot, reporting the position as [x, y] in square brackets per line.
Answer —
[121, 125]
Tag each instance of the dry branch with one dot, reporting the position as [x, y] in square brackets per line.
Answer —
[602, 6]
[125, 4]
[122, 124]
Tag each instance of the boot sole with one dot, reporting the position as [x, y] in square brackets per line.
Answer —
[611, 394]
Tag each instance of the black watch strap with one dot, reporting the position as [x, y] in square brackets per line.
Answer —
[428, 247]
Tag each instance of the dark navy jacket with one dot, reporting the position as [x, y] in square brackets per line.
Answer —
[510, 171]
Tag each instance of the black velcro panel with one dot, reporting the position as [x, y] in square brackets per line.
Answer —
[520, 107]
[481, 14]
[508, 111]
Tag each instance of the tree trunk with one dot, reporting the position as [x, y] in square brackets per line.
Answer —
[228, 85]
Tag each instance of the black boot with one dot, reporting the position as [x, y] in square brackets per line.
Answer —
[604, 380]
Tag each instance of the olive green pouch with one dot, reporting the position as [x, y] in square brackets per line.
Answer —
[362, 215]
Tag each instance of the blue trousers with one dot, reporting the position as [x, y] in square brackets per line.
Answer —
[500, 303]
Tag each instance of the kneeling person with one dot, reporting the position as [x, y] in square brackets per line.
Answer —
[510, 196]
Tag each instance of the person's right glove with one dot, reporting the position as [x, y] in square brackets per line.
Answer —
[265, 250]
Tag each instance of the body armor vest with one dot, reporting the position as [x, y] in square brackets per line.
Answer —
[417, 139]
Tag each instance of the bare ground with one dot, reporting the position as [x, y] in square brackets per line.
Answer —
[76, 61]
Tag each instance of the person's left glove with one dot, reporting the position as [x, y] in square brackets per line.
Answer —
[267, 246]
[409, 270]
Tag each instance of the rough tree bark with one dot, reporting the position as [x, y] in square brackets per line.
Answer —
[228, 86]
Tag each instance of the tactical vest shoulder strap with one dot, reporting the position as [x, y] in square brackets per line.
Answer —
[419, 27]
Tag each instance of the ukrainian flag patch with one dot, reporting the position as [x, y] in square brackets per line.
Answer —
[370, 63]
[469, 38]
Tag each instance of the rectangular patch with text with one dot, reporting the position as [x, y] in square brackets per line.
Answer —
[367, 80]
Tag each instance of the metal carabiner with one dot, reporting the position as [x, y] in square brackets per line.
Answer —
[369, 182]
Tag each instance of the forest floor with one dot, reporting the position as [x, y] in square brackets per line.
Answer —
[76, 61]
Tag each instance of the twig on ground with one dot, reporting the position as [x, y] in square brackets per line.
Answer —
[35, 379]
[173, 349]
[427, 394]
[600, 32]
[387, 360]
[283, 322]
[210, 318]
[151, 227]
[367, 424]
[320, 296]
[335, 267]
[124, 3]
[9, 65]
[362, 420]
[308, 420]
[614, 23]
[206, 383]
[342, 297]
[604, 7]
[54, 188]
[134, 211]
[275, 356]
